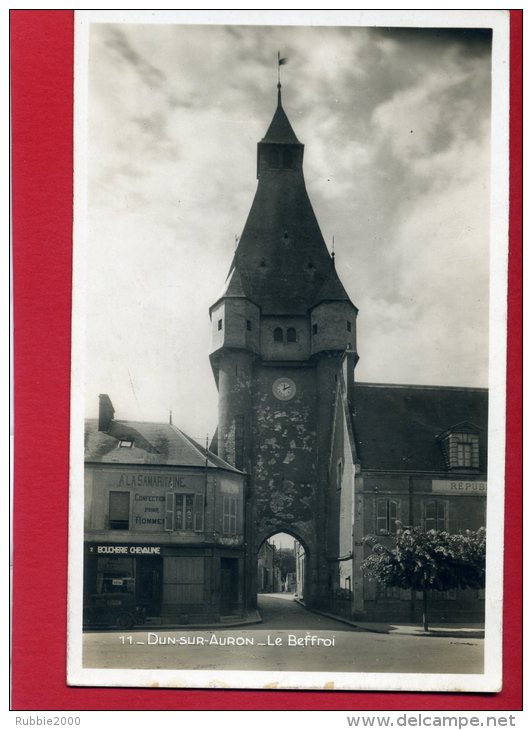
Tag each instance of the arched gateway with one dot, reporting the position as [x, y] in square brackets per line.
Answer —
[292, 563]
[283, 335]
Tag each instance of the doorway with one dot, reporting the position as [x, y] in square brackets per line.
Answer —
[228, 586]
[148, 584]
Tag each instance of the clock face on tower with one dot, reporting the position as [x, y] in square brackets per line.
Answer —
[284, 388]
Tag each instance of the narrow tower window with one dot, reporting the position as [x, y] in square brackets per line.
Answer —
[248, 325]
[339, 475]
[278, 334]
[288, 158]
[219, 324]
[314, 329]
[348, 326]
[291, 335]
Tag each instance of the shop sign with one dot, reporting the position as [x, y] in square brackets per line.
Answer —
[165, 481]
[458, 486]
[125, 549]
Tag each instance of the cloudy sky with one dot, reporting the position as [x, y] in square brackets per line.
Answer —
[396, 127]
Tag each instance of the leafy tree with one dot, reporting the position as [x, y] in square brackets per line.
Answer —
[425, 561]
[287, 561]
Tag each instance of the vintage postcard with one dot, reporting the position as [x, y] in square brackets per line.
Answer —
[290, 257]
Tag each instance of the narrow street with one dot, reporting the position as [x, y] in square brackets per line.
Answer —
[280, 611]
[290, 638]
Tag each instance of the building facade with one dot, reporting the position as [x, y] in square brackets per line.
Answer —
[404, 455]
[164, 524]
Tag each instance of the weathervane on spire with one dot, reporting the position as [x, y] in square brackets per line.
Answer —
[280, 62]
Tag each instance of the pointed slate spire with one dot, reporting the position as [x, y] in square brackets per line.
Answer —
[282, 263]
[233, 286]
[280, 130]
[332, 289]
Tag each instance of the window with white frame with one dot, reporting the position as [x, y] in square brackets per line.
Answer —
[464, 454]
[386, 515]
[461, 447]
[184, 512]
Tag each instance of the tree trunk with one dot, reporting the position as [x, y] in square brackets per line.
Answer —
[425, 610]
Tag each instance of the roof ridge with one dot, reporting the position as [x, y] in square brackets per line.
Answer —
[420, 386]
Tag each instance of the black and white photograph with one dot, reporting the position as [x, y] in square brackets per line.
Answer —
[288, 370]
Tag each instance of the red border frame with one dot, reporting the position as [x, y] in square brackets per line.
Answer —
[41, 107]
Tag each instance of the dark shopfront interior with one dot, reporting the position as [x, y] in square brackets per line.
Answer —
[141, 576]
[169, 588]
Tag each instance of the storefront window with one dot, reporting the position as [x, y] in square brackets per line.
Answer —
[115, 575]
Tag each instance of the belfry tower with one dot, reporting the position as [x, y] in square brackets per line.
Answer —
[283, 335]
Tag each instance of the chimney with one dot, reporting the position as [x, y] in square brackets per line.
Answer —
[106, 413]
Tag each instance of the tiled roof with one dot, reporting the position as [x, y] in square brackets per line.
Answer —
[281, 257]
[396, 426]
[153, 443]
[233, 286]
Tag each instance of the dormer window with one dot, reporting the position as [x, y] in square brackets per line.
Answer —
[461, 447]
[464, 454]
[125, 444]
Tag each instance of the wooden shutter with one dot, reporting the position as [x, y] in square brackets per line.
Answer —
[198, 512]
[169, 514]
[440, 515]
[232, 515]
[430, 515]
[393, 515]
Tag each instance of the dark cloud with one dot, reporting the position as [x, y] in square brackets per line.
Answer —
[473, 41]
[147, 72]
